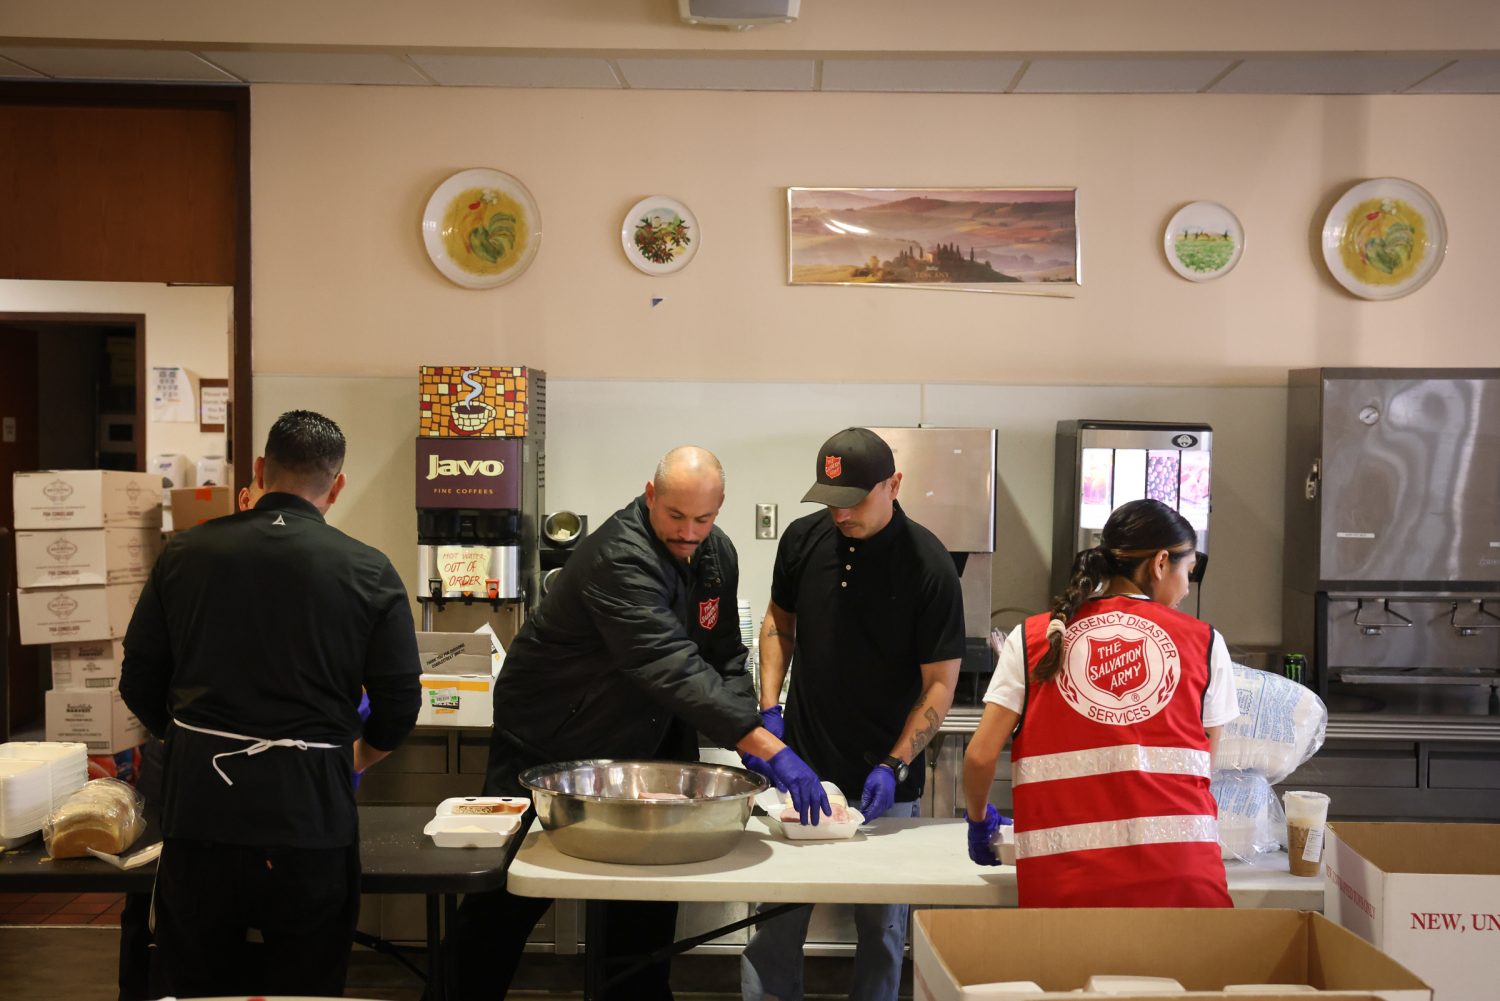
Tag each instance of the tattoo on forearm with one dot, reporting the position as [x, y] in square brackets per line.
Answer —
[772, 631]
[924, 736]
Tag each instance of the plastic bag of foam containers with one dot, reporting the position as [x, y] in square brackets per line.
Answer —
[1281, 725]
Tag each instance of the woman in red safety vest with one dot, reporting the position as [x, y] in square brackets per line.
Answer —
[1119, 700]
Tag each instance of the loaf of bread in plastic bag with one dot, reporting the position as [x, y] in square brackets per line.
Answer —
[105, 814]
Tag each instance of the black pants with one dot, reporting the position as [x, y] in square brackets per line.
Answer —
[485, 944]
[304, 902]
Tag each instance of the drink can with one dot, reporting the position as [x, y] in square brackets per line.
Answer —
[1294, 666]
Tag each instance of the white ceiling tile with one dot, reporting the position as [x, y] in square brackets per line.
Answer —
[516, 71]
[116, 64]
[718, 74]
[1120, 76]
[11, 71]
[949, 76]
[317, 67]
[1344, 75]
[1467, 76]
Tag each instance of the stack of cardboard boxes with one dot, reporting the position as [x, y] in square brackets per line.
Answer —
[85, 542]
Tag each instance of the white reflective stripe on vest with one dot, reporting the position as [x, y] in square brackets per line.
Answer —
[257, 745]
[1107, 760]
[1116, 834]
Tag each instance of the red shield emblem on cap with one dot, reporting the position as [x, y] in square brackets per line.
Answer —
[833, 466]
[1117, 665]
[708, 613]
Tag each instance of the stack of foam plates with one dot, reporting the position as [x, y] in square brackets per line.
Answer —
[35, 778]
[747, 623]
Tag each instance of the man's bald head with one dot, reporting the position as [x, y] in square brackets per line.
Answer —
[684, 498]
[688, 465]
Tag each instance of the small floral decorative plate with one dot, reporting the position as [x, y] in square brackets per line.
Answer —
[482, 228]
[1203, 241]
[660, 235]
[1384, 238]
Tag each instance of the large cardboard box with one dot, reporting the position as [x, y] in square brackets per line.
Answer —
[455, 653]
[98, 719]
[73, 614]
[1428, 895]
[74, 557]
[199, 504]
[954, 951]
[95, 664]
[87, 498]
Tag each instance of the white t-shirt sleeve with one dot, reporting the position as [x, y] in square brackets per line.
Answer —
[1008, 683]
[1221, 703]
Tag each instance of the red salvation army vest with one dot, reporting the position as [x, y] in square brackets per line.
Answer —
[1110, 769]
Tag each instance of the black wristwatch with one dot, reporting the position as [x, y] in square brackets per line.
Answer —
[896, 765]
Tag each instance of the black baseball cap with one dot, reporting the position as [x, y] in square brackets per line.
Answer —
[850, 464]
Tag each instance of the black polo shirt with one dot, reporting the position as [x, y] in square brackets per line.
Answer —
[267, 623]
[869, 613]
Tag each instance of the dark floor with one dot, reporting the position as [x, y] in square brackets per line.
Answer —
[56, 947]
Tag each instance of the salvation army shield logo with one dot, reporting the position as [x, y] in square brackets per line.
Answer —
[1116, 665]
[1119, 668]
[708, 613]
[833, 466]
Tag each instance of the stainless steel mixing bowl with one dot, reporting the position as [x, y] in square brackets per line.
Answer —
[599, 809]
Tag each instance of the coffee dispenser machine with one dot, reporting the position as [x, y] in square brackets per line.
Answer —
[481, 457]
[1103, 464]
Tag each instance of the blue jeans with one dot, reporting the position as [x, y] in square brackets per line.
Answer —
[771, 965]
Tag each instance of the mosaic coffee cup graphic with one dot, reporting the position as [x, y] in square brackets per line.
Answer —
[472, 416]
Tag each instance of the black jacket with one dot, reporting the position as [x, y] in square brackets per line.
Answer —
[267, 623]
[629, 640]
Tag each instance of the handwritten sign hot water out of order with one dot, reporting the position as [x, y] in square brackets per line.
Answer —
[464, 568]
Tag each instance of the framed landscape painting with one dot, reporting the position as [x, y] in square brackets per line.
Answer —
[972, 239]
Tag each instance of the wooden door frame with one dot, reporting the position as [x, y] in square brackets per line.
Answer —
[135, 320]
[239, 442]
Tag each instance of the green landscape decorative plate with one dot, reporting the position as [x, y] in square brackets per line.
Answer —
[1203, 241]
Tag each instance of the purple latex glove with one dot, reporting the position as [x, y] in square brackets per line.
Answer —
[364, 715]
[981, 833]
[801, 782]
[879, 792]
[760, 767]
[771, 720]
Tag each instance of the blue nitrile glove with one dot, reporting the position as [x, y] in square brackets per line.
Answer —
[771, 720]
[364, 715]
[793, 776]
[759, 766]
[880, 792]
[981, 833]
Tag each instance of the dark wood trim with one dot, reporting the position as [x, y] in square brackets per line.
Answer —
[135, 320]
[240, 448]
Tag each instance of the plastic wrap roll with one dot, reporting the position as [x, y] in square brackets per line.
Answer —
[1281, 725]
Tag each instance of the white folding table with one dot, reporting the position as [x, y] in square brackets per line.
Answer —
[921, 861]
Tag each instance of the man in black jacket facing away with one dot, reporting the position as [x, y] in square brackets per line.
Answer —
[247, 652]
[635, 650]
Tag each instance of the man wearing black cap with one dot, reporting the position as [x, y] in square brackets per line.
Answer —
[865, 604]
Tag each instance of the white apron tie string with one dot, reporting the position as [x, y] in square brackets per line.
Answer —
[257, 745]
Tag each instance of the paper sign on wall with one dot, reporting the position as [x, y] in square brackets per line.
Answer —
[172, 395]
[464, 568]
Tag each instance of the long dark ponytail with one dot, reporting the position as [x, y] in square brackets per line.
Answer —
[1134, 533]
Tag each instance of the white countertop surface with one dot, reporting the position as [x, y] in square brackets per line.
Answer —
[915, 861]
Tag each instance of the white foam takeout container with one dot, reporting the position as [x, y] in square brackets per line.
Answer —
[457, 824]
[773, 802]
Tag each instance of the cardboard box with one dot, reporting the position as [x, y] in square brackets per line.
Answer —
[1203, 949]
[98, 719]
[74, 557]
[87, 498]
[1427, 895]
[200, 504]
[457, 700]
[87, 665]
[73, 614]
[455, 653]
